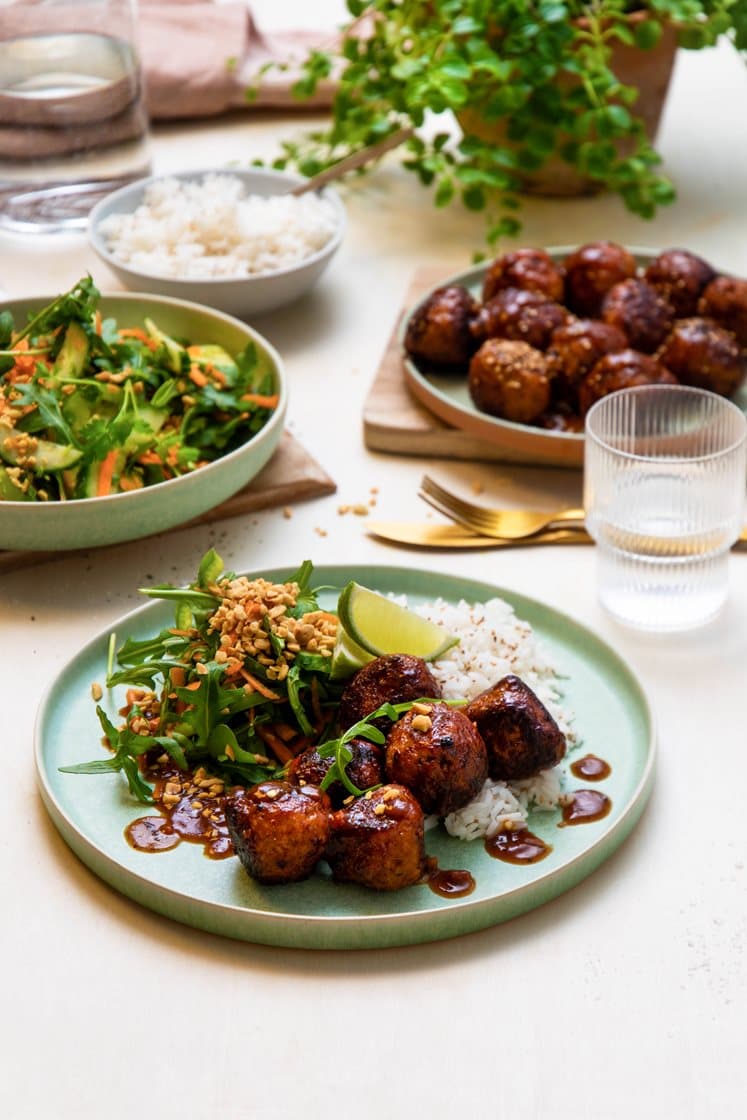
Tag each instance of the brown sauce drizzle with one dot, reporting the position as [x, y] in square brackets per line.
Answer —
[517, 846]
[188, 811]
[452, 883]
[591, 768]
[584, 806]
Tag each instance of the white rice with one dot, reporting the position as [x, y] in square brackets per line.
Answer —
[493, 643]
[210, 228]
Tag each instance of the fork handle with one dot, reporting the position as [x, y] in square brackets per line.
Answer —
[568, 515]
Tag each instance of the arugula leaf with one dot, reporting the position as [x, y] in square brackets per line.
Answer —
[296, 685]
[205, 703]
[33, 394]
[79, 304]
[307, 600]
[134, 652]
[6, 330]
[127, 747]
[174, 746]
[199, 600]
[211, 567]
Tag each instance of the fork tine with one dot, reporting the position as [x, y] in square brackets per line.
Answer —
[452, 501]
[456, 515]
[455, 506]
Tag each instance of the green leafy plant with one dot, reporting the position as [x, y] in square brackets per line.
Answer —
[539, 69]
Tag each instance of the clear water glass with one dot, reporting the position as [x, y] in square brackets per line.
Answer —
[73, 123]
[665, 470]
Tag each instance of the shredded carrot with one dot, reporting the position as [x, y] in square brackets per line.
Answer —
[140, 334]
[193, 685]
[217, 375]
[197, 376]
[259, 687]
[261, 400]
[127, 484]
[285, 731]
[276, 745]
[150, 458]
[106, 473]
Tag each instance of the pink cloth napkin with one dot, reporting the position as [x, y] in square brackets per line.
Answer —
[199, 57]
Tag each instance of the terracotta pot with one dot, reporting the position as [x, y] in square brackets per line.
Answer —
[648, 71]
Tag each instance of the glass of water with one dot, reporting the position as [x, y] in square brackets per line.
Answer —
[73, 124]
[665, 468]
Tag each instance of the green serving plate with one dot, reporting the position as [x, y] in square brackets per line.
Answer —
[612, 719]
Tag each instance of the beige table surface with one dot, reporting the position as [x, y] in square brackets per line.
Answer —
[625, 997]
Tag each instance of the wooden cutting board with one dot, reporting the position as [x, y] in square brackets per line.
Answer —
[394, 421]
[292, 475]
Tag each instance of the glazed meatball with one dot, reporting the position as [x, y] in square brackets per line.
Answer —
[590, 273]
[438, 331]
[378, 840]
[637, 309]
[279, 831]
[680, 276]
[393, 679]
[520, 315]
[575, 348]
[365, 769]
[534, 270]
[621, 370]
[510, 380]
[700, 353]
[725, 300]
[437, 753]
[521, 736]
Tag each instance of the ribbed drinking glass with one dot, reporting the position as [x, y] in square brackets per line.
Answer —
[664, 494]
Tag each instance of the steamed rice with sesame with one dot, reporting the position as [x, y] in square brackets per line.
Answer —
[493, 642]
[210, 229]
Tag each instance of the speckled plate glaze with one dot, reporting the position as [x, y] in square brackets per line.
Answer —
[446, 394]
[612, 716]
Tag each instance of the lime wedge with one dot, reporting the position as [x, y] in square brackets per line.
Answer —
[377, 625]
[347, 657]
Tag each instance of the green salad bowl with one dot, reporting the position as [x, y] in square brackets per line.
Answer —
[90, 522]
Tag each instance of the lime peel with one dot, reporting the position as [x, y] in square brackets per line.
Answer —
[378, 626]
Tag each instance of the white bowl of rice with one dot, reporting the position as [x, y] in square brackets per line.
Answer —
[236, 240]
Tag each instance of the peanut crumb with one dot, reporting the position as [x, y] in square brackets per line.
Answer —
[96, 691]
[422, 723]
[287, 512]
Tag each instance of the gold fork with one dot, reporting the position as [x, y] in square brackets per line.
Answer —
[502, 524]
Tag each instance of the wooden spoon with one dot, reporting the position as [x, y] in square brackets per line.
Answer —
[353, 161]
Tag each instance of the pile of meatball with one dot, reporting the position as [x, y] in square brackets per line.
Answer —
[435, 760]
[550, 339]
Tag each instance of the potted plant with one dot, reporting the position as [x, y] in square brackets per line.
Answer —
[549, 95]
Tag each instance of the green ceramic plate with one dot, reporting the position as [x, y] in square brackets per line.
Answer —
[447, 395]
[613, 718]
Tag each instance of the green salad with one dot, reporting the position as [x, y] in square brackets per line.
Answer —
[90, 408]
[242, 682]
[248, 677]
